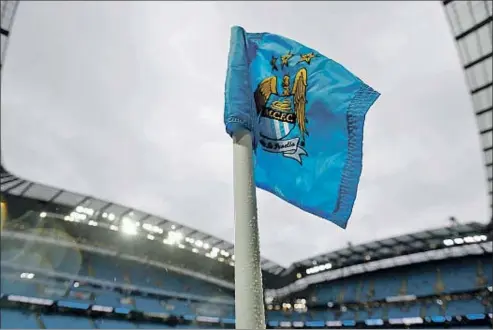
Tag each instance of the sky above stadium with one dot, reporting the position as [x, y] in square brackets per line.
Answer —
[124, 101]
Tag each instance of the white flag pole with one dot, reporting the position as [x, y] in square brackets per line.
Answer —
[249, 295]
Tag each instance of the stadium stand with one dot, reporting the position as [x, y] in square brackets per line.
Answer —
[51, 280]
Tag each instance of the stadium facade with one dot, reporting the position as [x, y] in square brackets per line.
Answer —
[74, 261]
[7, 14]
[472, 28]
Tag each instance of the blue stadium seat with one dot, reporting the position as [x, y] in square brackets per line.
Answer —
[348, 315]
[351, 291]
[465, 307]
[278, 316]
[448, 276]
[15, 319]
[113, 324]
[149, 305]
[108, 298]
[375, 313]
[104, 269]
[388, 288]
[66, 322]
[404, 311]
[152, 326]
[177, 307]
[434, 310]
[459, 275]
[13, 284]
[488, 271]
[123, 271]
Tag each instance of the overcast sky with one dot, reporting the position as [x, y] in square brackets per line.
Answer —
[124, 101]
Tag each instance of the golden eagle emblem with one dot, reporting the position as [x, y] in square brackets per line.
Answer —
[282, 107]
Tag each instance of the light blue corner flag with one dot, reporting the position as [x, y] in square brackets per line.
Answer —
[306, 113]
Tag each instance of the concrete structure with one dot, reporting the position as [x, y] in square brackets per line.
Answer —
[472, 27]
[8, 10]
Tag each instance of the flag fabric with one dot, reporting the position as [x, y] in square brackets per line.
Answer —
[306, 113]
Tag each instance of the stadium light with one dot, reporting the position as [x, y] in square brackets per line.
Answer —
[458, 240]
[319, 268]
[448, 242]
[78, 216]
[174, 237]
[152, 228]
[128, 227]
[466, 239]
[42, 215]
[214, 252]
[85, 210]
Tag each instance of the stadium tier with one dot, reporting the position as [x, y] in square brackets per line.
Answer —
[62, 270]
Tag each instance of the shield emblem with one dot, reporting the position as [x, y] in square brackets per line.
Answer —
[274, 123]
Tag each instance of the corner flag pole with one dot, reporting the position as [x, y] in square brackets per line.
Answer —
[249, 296]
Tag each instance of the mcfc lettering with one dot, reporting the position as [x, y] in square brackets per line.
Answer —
[279, 115]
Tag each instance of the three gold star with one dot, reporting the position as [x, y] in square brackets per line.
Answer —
[307, 57]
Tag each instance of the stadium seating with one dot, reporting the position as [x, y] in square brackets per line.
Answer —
[121, 271]
[466, 307]
[433, 278]
[422, 280]
[113, 324]
[16, 319]
[65, 322]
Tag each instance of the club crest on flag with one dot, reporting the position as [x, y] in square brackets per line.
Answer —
[281, 105]
[305, 115]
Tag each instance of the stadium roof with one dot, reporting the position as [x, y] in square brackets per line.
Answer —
[448, 242]
[472, 27]
[115, 214]
[393, 247]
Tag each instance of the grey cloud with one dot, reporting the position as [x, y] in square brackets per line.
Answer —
[123, 100]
